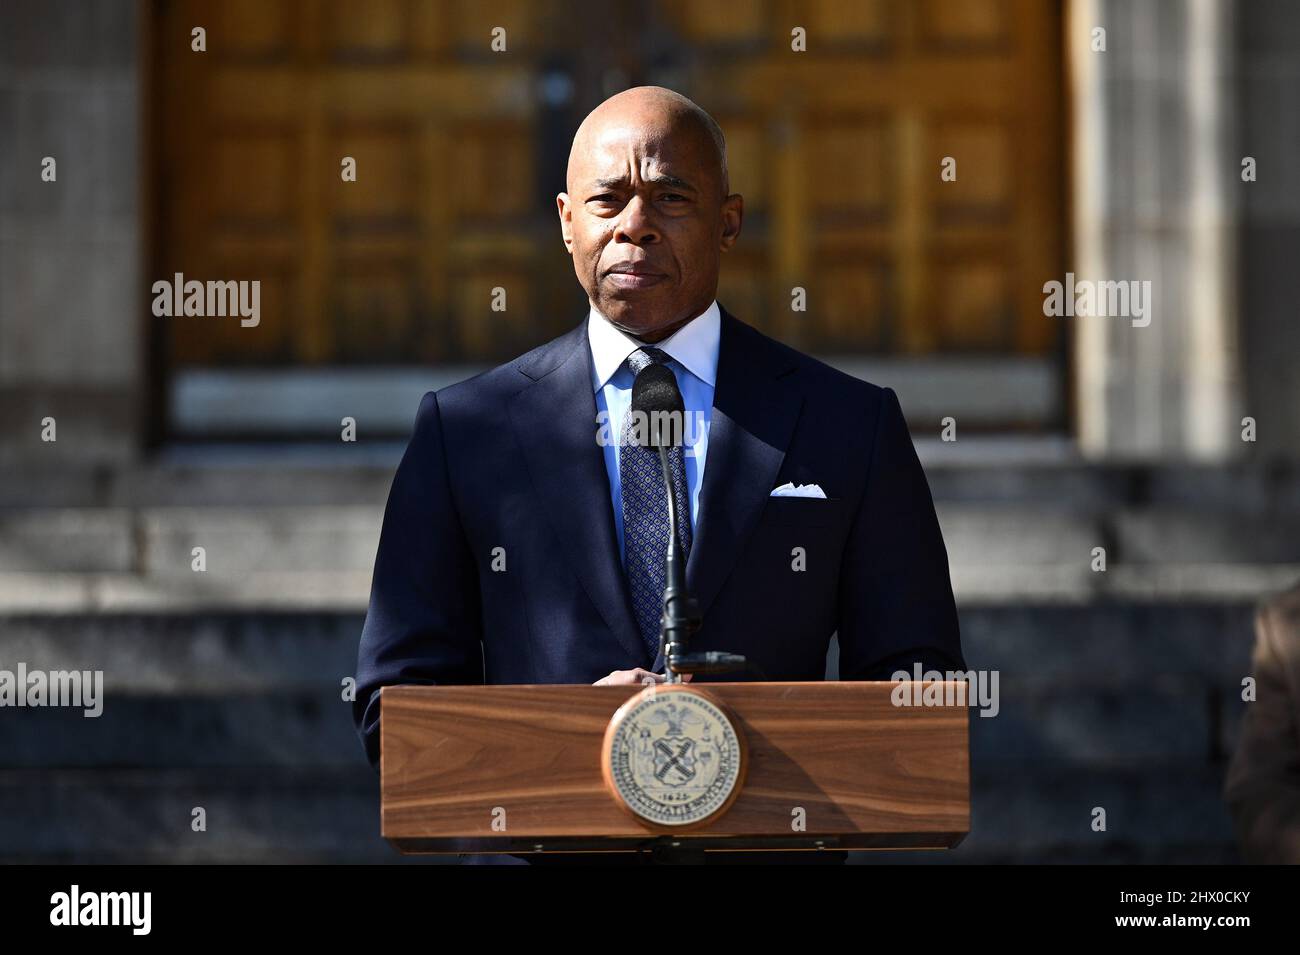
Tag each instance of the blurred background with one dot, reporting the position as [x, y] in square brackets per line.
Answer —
[224, 688]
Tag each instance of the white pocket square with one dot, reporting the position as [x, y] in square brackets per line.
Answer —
[798, 490]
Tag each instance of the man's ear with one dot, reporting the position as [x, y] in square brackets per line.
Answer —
[733, 214]
[565, 210]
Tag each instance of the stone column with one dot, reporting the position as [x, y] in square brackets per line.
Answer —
[1156, 189]
[71, 323]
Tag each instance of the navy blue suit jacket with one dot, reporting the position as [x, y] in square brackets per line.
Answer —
[509, 459]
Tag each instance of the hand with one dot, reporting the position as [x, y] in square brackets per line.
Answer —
[635, 676]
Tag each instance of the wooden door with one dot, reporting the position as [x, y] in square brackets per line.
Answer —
[460, 151]
[840, 150]
[396, 267]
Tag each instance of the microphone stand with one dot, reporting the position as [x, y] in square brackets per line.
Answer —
[681, 616]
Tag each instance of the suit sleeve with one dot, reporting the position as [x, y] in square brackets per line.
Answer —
[896, 602]
[423, 624]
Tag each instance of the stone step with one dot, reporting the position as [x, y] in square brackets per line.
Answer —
[1037, 815]
[253, 815]
[240, 542]
[308, 474]
[1101, 646]
[1134, 707]
[69, 560]
[290, 730]
[158, 542]
[1106, 688]
[1170, 724]
[347, 591]
[1026, 814]
[179, 655]
[266, 477]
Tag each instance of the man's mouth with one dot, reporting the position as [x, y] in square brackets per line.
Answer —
[633, 275]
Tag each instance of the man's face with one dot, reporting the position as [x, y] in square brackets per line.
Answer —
[646, 222]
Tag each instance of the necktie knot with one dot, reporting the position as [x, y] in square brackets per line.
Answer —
[644, 357]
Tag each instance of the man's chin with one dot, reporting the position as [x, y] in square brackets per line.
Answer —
[636, 320]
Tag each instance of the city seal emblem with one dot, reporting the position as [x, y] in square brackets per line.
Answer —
[673, 757]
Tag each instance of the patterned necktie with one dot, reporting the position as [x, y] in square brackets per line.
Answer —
[645, 515]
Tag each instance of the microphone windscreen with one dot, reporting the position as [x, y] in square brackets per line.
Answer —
[655, 396]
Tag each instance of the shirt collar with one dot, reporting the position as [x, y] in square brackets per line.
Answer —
[694, 346]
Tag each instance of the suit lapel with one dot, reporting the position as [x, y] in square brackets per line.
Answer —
[756, 404]
[554, 420]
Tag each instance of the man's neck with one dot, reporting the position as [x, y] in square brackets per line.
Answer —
[654, 338]
[661, 334]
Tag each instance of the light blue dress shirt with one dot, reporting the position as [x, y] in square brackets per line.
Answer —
[693, 354]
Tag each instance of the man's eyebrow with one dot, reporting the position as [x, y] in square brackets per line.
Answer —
[620, 182]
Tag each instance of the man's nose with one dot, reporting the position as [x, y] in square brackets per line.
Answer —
[635, 224]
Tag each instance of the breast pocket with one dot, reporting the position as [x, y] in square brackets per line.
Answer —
[804, 511]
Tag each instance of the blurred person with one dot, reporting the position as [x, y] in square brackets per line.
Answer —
[1262, 788]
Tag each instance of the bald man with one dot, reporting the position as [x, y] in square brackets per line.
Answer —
[524, 539]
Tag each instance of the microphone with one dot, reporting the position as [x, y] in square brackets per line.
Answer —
[657, 398]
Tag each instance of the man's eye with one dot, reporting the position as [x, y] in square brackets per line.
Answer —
[607, 197]
[673, 195]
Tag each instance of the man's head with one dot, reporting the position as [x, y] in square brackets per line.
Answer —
[647, 214]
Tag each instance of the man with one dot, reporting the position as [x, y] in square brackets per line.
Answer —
[504, 467]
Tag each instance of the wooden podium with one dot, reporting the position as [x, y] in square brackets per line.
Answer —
[834, 765]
